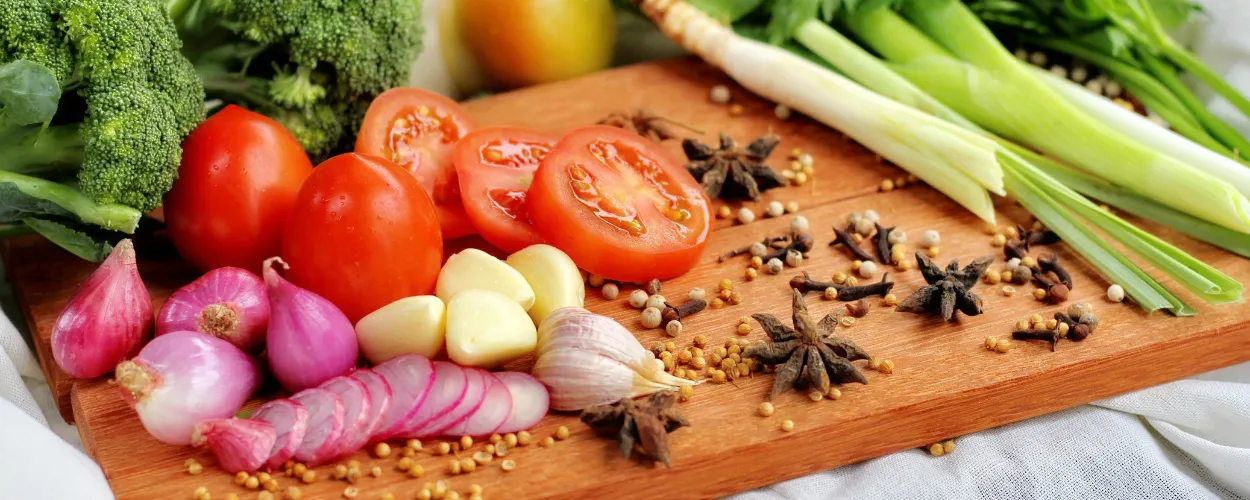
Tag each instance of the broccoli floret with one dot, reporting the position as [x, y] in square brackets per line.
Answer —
[122, 99]
[312, 65]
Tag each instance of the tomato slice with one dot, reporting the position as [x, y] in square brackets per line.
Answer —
[619, 205]
[496, 166]
[418, 130]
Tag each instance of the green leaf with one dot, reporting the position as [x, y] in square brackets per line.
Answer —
[243, 414]
[23, 196]
[787, 15]
[16, 205]
[1173, 13]
[78, 243]
[726, 11]
[29, 93]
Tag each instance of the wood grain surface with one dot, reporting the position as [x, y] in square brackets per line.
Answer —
[945, 383]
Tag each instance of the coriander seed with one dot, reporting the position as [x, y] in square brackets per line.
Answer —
[756, 262]
[1009, 291]
[241, 478]
[831, 293]
[685, 393]
[787, 425]
[1022, 324]
[1039, 294]
[253, 483]
[724, 212]
[382, 450]
[847, 321]
[890, 300]
[948, 446]
[750, 274]
[744, 329]
[936, 449]
[547, 442]
[309, 477]
[735, 299]
[350, 492]
[792, 207]
[468, 465]
[482, 458]
[719, 94]
[508, 465]
[766, 409]
[933, 252]
[815, 396]
[835, 393]
[294, 493]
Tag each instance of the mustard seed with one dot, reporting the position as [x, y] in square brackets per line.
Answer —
[1039, 294]
[404, 465]
[787, 425]
[387, 496]
[847, 321]
[933, 251]
[992, 277]
[501, 450]
[200, 492]
[1063, 329]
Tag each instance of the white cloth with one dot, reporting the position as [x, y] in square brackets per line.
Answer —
[1185, 439]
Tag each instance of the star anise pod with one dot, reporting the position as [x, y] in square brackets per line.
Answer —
[730, 172]
[808, 355]
[949, 289]
[647, 124]
[644, 424]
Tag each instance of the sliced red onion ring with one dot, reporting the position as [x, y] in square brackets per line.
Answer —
[474, 394]
[451, 383]
[290, 421]
[380, 394]
[529, 401]
[325, 425]
[411, 378]
[357, 405]
[495, 409]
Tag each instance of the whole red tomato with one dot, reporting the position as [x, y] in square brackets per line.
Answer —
[363, 234]
[238, 178]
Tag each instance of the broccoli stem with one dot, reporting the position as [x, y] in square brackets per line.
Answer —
[42, 149]
[110, 216]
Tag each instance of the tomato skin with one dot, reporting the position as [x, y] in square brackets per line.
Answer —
[362, 234]
[495, 167]
[396, 128]
[526, 42]
[239, 175]
[660, 247]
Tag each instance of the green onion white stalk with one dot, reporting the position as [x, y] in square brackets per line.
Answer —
[971, 72]
[959, 163]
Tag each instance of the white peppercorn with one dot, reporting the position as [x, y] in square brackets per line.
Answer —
[595, 280]
[696, 294]
[650, 317]
[792, 207]
[719, 94]
[758, 249]
[897, 237]
[673, 328]
[657, 301]
[745, 215]
[1113, 89]
[806, 160]
[1115, 293]
[853, 218]
[1013, 263]
[774, 209]
[610, 291]
[864, 226]
[872, 215]
[930, 239]
[799, 224]
[782, 112]
[868, 269]
[1038, 58]
[774, 266]
[638, 299]
[793, 258]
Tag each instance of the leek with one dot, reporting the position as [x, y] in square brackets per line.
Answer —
[986, 84]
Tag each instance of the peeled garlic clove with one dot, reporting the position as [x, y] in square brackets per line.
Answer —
[554, 278]
[473, 269]
[411, 325]
[487, 329]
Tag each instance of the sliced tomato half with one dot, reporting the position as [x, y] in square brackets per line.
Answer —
[495, 167]
[619, 205]
[418, 131]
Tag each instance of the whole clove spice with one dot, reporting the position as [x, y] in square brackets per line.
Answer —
[1051, 336]
[858, 309]
[843, 237]
[883, 243]
[1051, 264]
[674, 313]
[644, 425]
[846, 293]
[802, 243]
[766, 243]
[646, 123]
[949, 289]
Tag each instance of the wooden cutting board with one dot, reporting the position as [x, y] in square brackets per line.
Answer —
[945, 383]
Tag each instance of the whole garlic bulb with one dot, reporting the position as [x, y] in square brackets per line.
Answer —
[587, 359]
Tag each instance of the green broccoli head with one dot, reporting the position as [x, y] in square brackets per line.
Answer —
[28, 31]
[367, 46]
[142, 98]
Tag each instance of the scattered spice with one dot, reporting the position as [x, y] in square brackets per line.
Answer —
[644, 424]
[382, 450]
[890, 300]
[787, 425]
[646, 123]
[724, 212]
[1051, 265]
[936, 449]
[801, 243]
[845, 292]
[547, 442]
[729, 172]
[651, 317]
[949, 289]
[1115, 293]
[766, 409]
[745, 215]
[508, 465]
[883, 242]
[997, 344]
[674, 313]
[638, 299]
[858, 308]
[868, 269]
[756, 249]
[843, 237]
[523, 438]
[807, 354]
[294, 493]
[719, 94]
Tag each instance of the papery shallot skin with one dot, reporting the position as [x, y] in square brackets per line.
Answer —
[182, 378]
[239, 445]
[107, 318]
[228, 302]
[310, 340]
